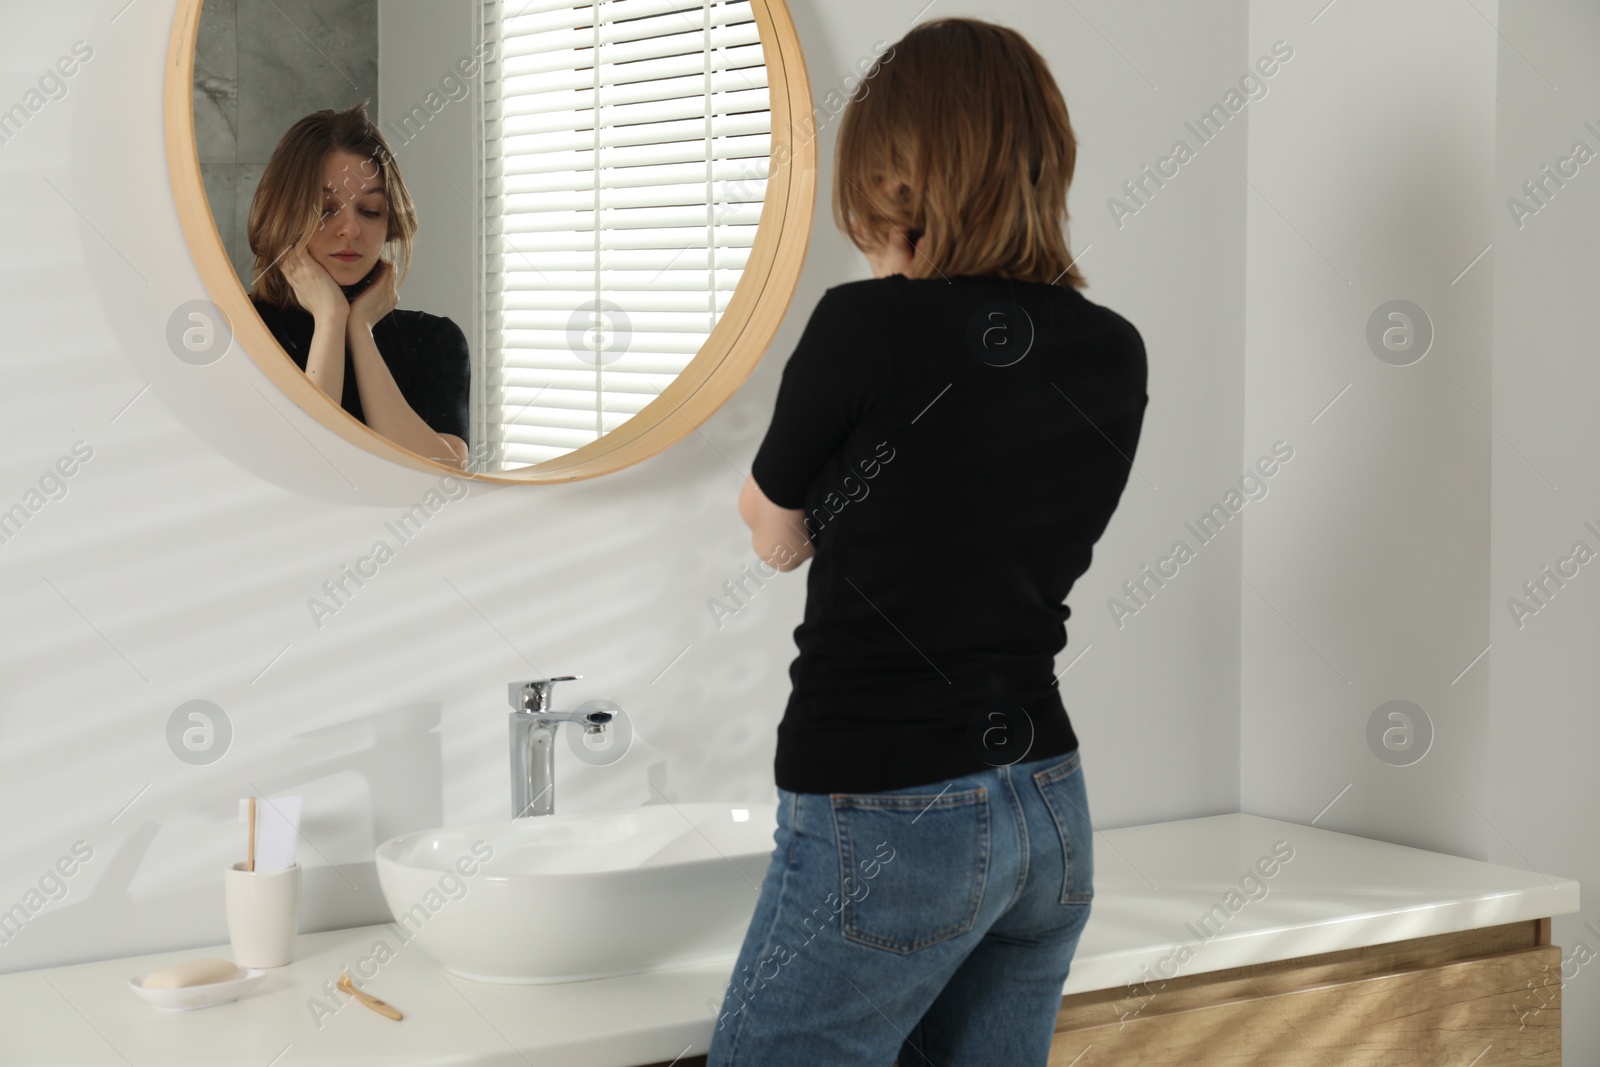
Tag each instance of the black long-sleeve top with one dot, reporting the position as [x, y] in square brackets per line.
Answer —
[427, 354]
[958, 447]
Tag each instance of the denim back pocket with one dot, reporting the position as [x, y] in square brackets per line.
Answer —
[912, 867]
[1064, 794]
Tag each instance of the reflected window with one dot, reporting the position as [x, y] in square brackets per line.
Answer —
[625, 167]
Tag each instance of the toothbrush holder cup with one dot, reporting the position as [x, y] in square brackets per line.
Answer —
[263, 914]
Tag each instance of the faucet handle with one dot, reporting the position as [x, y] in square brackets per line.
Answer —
[534, 695]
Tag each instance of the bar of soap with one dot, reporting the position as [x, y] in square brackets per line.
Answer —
[192, 972]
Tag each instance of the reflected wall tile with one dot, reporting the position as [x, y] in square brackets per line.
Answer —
[300, 56]
[216, 82]
[221, 179]
[248, 176]
[217, 40]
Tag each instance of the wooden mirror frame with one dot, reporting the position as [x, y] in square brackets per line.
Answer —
[724, 361]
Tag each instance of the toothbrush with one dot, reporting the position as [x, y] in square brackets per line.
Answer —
[381, 1007]
[250, 863]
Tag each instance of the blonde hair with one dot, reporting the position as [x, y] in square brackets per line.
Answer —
[287, 208]
[964, 120]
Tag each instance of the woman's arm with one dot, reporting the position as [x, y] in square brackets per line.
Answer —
[386, 409]
[382, 403]
[777, 534]
[458, 446]
[831, 380]
[319, 294]
[325, 361]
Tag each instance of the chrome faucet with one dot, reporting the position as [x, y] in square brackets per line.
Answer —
[533, 739]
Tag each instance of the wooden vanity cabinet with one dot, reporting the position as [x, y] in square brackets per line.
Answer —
[1489, 998]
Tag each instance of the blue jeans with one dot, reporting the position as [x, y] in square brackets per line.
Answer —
[936, 922]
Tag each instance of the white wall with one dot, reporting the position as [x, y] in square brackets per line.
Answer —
[419, 43]
[1422, 497]
[1367, 568]
[178, 564]
[1541, 809]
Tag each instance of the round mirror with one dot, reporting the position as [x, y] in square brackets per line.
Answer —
[548, 237]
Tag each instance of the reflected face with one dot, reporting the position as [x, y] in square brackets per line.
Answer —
[355, 217]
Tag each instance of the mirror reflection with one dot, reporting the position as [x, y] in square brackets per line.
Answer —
[326, 290]
[492, 236]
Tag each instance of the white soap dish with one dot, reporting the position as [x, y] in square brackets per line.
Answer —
[188, 998]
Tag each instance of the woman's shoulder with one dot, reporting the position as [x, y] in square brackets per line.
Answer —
[1114, 322]
[435, 335]
[1125, 345]
[290, 321]
[425, 321]
[1107, 320]
[267, 307]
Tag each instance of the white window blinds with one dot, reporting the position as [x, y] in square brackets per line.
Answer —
[625, 166]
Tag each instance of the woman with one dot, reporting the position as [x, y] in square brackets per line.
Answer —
[949, 441]
[330, 204]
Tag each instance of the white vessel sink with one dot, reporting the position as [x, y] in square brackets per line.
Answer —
[565, 897]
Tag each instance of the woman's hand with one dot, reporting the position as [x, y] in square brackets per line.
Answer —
[314, 287]
[375, 301]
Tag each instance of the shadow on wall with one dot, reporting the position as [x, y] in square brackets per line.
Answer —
[399, 760]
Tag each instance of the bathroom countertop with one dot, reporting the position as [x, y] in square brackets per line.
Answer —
[1154, 886]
